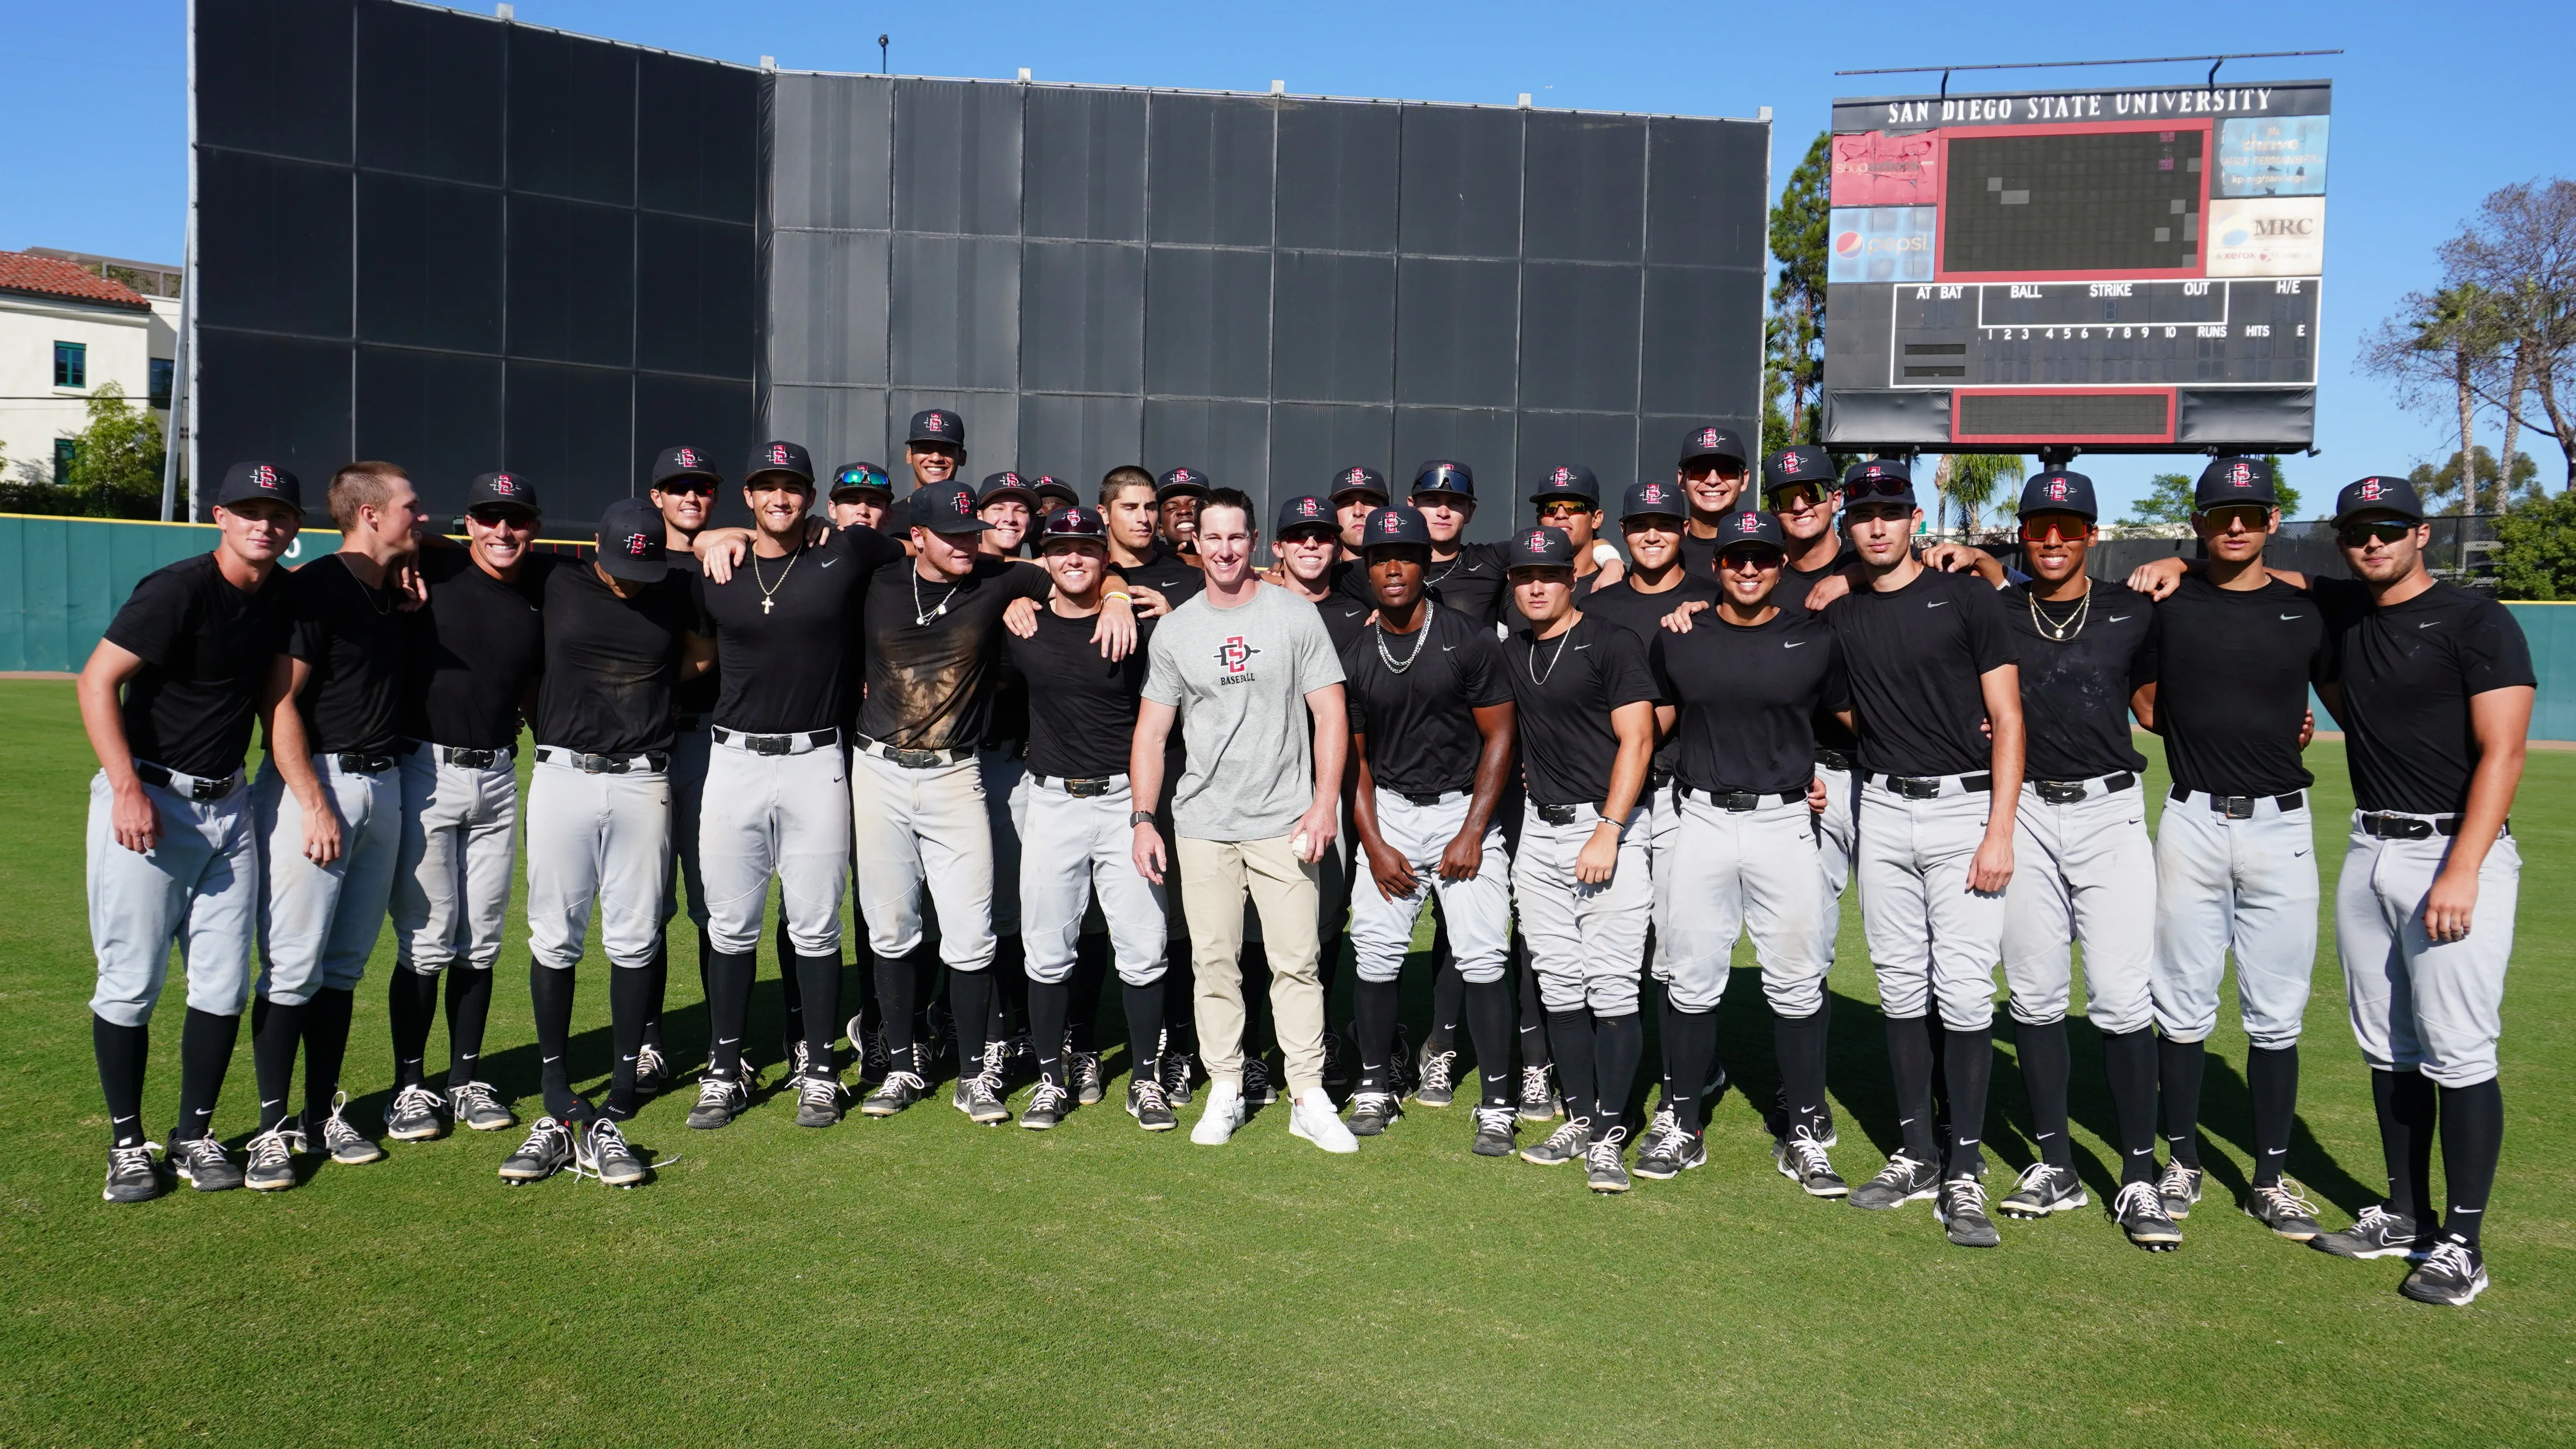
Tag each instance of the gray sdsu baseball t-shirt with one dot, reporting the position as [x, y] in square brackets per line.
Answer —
[1240, 677]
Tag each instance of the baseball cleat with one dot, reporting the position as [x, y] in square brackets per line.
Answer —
[1337, 1072]
[204, 1165]
[1801, 1159]
[548, 1150]
[1961, 1209]
[652, 1070]
[1435, 1077]
[1602, 1171]
[2140, 1211]
[1539, 1101]
[412, 1116]
[1090, 1085]
[874, 1059]
[1145, 1103]
[980, 1100]
[1373, 1112]
[132, 1175]
[2044, 1188]
[2283, 1208]
[1047, 1106]
[2453, 1275]
[818, 1100]
[1399, 1063]
[1258, 1091]
[720, 1100]
[1901, 1181]
[1221, 1117]
[475, 1105]
[897, 1091]
[1658, 1127]
[272, 1159]
[600, 1150]
[1493, 1132]
[1311, 1116]
[1177, 1076]
[1672, 1154]
[2180, 1188]
[343, 1141]
[1565, 1144]
[1782, 1121]
[2377, 1233]
[797, 1058]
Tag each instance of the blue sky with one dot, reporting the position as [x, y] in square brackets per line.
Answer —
[2435, 105]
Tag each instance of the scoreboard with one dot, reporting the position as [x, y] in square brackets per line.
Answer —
[2108, 270]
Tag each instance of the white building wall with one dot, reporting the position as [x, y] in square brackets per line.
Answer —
[121, 342]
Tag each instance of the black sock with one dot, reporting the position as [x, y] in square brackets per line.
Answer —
[2129, 1060]
[205, 1053]
[1374, 1005]
[2472, 1140]
[1180, 990]
[1665, 1015]
[1798, 1044]
[729, 975]
[411, 1004]
[1532, 1036]
[1569, 1034]
[550, 993]
[1260, 1032]
[630, 1002]
[2272, 1080]
[1968, 1064]
[657, 983]
[818, 980]
[1082, 1007]
[2406, 1120]
[1011, 983]
[1489, 1026]
[2178, 1068]
[122, 1052]
[1048, 1001]
[276, 1030]
[1909, 1065]
[1144, 1007]
[1690, 1045]
[706, 958]
[469, 1007]
[1448, 991]
[791, 990]
[1618, 1043]
[326, 1045]
[2044, 1072]
[896, 1002]
[970, 999]
[1941, 1110]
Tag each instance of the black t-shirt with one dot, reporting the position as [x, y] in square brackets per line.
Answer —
[783, 664]
[1473, 584]
[1082, 708]
[355, 639]
[2408, 671]
[474, 648]
[612, 664]
[695, 696]
[935, 653]
[2075, 694]
[1347, 603]
[1643, 616]
[1421, 724]
[1748, 698]
[1916, 657]
[1167, 573]
[207, 650]
[2233, 668]
[1565, 689]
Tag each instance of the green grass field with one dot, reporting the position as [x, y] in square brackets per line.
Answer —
[924, 1282]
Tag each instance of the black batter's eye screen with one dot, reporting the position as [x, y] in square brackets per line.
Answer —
[2107, 201]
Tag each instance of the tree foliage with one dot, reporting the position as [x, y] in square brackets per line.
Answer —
[1794, 334]
[2536, 549]
[2168, 501]
[2441, 488]
[115, 467]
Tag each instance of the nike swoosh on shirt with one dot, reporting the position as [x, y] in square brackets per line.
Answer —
[1579, 648]
[1937, 603]
[1799, 644]
[2119, 618]
[827, 563]
[2429, 623]
[2294, 616]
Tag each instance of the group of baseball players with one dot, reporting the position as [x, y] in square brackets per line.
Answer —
[1008, 718]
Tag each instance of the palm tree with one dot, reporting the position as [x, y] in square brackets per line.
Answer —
[2460, 324]
[1970, 480]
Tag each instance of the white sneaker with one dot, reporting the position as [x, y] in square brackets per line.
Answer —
[1313, 1118]
[1223, 1114]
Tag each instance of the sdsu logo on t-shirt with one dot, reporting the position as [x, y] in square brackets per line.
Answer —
[1234, 659]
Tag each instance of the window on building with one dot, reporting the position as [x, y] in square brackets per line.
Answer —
[66, 452]
[71, 364]
[164, 371]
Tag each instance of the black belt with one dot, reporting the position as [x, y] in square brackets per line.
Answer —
[1742, 800]
[2067, 792]
[199, 786]
[2241, 807]
[1657, 778]
[654, 760]
[470, 759]
[2408, 827]
[1928, 787]
[359, 764]
[1081, 787]
[1411, 798]
[1558, 814]
[777, 744]
[912, 759]
[1833, 759]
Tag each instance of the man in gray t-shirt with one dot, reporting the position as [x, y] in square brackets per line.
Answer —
[1247, 669]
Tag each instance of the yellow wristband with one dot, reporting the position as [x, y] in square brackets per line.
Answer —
[1123, 597]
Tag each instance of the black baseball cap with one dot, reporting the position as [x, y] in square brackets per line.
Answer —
[1805, 463]
[1076, 522]
[1750, 525]
[501, 490]
[1541, 548]
[945, 508]
[1567, 480]
[246, 481]
[936, 425]
[1007, 485]
[1047, 485]
[2058, 491]
[1181, 482]
[2229, 481]
[1396, 525]
[1653, 498]
[2379, 493]
[1441, 475]
[682, 461]
[779, 457]
[1879, 480]
[1306, 510]
[861, 478]
[631, 542]
[1711, 441]
[1356, 479]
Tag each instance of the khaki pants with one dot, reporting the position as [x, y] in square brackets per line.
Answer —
[1215, 874]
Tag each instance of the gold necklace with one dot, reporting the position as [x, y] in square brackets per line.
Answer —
[767, 589]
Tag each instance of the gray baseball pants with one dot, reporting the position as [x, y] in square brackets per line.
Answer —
[1586, 942]
[784, 816]
[1077, 845]
[917, 828]
[2246, 884]
[1663, 832]
[460, 842]
[2082, 871]
[596, 836]
[1740, 871]
[2433, 1007]
[198, 885]
[1837, 834]
[1933, 941]
[318, 924]
[688, 774]
[1479, 909]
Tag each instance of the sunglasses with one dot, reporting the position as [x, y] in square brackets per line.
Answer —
[2253, 515]
[698, 486]
[1564, 508]
[1751, 557]
[501, 517]
[1860, 490]
[2383, 530]
[2047, 529]
[1797, 497]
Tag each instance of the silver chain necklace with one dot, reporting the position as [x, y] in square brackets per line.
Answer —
[919, 618]
[2075, 622]
[766, 588]
[1421, 637]
[1532, 662]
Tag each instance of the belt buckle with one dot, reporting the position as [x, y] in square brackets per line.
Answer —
[1086, 789]
[1737, 801]
[768, 744]
[1556, 814]
[2233, 807]
[1912, 788]
[472, 759]
[2059, 792]
[201, 788]
[913, 759]
[1422, 801]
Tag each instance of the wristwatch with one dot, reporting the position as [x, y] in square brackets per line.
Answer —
[1140, 817]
